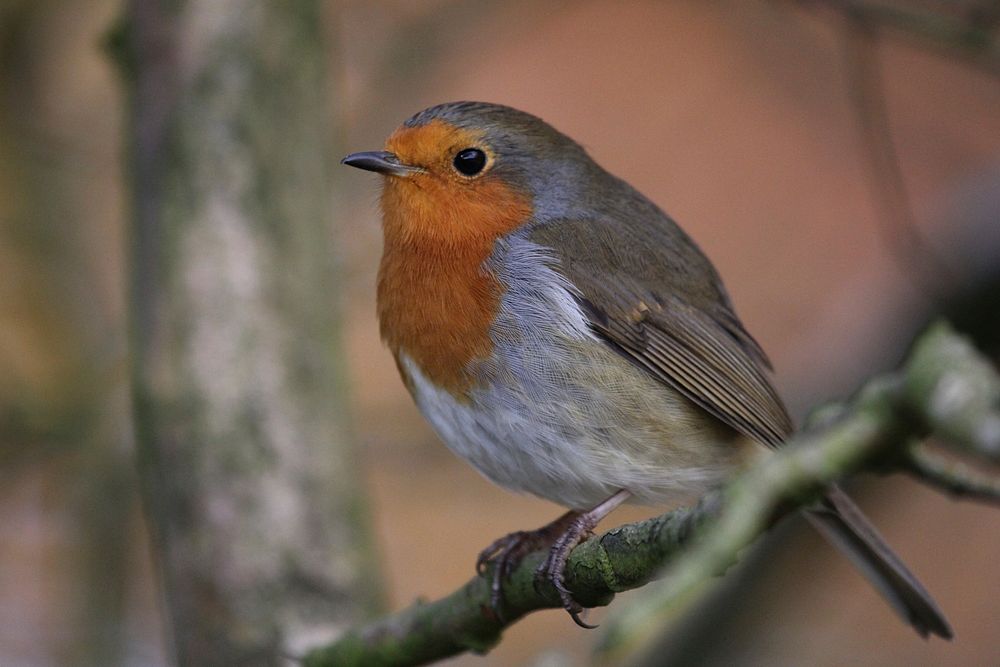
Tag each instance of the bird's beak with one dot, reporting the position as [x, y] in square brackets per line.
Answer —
[382, 162]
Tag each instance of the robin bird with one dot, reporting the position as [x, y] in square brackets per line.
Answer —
[567, 338]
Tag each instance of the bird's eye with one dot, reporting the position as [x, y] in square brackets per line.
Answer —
[470, 161]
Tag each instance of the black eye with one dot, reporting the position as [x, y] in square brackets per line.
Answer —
[470, 161]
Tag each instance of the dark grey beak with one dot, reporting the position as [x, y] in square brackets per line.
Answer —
[382, 162]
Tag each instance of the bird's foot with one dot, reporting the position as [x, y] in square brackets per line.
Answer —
[554, 567]
[562, 534]
[508, 551]
[578, 528]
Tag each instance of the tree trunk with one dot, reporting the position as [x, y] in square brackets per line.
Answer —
[246, 463]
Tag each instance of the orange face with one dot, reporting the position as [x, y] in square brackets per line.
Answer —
[433, 146]
[440, 204]
[436, 302]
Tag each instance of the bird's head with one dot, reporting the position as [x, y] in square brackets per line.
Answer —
[467, 171]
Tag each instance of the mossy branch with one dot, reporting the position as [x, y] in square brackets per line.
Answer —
[945, 388]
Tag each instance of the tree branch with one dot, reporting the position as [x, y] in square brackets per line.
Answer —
[970, 37]
[956, 393]
[952, 475]
[873, 430]
[895, 216]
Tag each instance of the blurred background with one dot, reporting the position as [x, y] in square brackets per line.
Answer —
[743, 120]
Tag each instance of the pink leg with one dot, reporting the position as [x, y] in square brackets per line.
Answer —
[580, 527]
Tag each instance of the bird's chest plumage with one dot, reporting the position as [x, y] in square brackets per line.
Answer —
[535, 401]
[437, 310]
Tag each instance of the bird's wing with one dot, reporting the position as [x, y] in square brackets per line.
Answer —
[651, 295]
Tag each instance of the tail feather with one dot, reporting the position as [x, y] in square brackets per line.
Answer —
[840, 521]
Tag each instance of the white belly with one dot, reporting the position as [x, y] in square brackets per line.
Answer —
[577, 443]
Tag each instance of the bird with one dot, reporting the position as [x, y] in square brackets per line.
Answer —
[568, 339]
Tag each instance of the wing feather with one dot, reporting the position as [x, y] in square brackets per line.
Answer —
[689, 339]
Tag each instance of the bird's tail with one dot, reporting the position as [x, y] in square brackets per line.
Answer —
[840, 521]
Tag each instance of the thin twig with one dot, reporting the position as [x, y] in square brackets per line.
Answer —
[897, 222]
[970, 39]
[952, 475]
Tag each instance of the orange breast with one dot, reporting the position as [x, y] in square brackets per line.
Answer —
[435, 301]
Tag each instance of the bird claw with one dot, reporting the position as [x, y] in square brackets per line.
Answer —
[495, 550]
[505, 554]
[553, 568]
[563, 534]
[572, 607]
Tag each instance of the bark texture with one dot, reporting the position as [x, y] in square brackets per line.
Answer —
[244, 454]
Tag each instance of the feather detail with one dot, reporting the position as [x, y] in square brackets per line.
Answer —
[689, 340]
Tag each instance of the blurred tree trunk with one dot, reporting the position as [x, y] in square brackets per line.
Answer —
[247, 469]
[63, 421]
